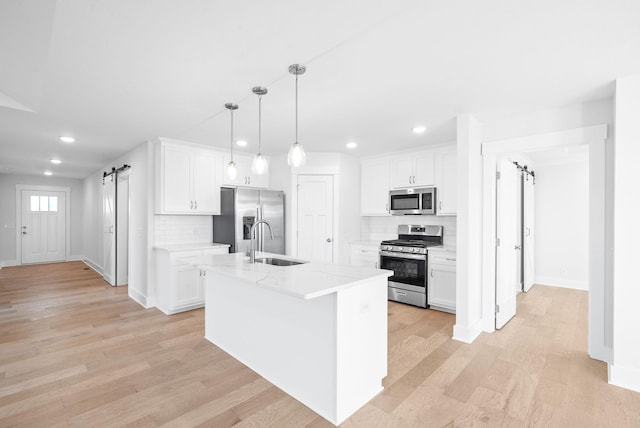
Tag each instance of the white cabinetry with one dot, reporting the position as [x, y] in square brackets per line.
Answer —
[365, 255]
[442, 281]
[187, 180]
[412, 170]
[245, 177]
[180, 285]
[374, 187]
[446, 162]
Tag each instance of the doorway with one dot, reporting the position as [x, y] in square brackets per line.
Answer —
[314, 216]
[115, 219]
[43, 226]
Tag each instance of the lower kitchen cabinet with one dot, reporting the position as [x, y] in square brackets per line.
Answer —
[441, 293]
[180, 285]
[365, 255]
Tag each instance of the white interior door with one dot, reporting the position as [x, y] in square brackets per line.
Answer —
[528, 244]
[315, 218]
[507, 233]
[43, 228]
[109, 230]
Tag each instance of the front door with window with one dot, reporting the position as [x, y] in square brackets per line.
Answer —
[43, 226]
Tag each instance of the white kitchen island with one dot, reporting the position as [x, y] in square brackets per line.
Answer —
[316, 331]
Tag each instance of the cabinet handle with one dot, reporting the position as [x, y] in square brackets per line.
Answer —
[195, 205]
[376, 265]
[191, 205]
[387, 207]
[451, 260]
[431, 272]
[249, 178]
[440, 206]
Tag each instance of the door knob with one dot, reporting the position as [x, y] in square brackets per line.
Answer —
[24, 232]
[328, 239]
[517, 247]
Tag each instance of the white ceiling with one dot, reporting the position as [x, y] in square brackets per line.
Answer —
[115, 73]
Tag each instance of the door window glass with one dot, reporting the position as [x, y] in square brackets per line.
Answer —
[44, 203]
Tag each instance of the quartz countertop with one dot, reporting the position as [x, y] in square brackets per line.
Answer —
[305, 281]
[190, 247]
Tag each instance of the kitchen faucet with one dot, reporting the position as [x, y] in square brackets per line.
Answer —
[252, 235]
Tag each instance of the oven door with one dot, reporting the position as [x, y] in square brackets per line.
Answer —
[409, 270]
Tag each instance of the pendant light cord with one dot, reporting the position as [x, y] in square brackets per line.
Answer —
[259, 124]
[231, 146]
[296, 109]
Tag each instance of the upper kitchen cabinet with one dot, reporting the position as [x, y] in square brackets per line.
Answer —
[412, 170]
[446, 162]
[187, 179]
[245, 177]
[374, 187]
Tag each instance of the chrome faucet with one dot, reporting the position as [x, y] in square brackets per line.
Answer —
[252, 235]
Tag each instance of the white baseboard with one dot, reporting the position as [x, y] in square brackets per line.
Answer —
[139, 298]
[624, 377]
[601, 353]
[467, 334]
[92, 265]
[75, 258]
[562, 282]
[9, 263]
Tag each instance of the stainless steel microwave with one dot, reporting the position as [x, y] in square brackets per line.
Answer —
[419, 201]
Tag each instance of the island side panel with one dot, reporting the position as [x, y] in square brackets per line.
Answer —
[362, 344]
[289, 341]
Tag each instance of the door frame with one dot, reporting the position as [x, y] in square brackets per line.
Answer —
[67, 216]
[294, 211]
[595, 137]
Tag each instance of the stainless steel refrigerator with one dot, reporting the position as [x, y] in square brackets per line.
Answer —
[240, 208]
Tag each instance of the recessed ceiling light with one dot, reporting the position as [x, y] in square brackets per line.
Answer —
[65, 139]
[419, 129]
[352, 145]
[48, 173]
[56, 161]
[241, 143]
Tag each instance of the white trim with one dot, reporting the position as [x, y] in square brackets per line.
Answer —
[562, 283]
[624, 377]
[467, 334]
[139, 298]
[67, 215]
[93, 265]
[9, 263]
[572, 137]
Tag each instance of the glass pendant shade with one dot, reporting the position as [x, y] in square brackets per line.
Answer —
[232, 170]
[259, 165]
[297, 156]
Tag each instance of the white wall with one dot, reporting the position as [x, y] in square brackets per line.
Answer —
[9, 224]
[346, 172]
[140, 221]
[562, 224]
[625, 369]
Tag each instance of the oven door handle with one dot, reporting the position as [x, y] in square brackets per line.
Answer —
[404, 255]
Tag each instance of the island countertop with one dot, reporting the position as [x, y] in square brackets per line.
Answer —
[305, 281]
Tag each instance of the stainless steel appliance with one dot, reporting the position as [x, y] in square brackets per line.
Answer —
[416, 201]
[408, 258]
[240, 209]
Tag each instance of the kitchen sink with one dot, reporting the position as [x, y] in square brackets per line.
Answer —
[278, 262]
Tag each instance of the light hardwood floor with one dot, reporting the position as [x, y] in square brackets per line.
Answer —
[77, 352]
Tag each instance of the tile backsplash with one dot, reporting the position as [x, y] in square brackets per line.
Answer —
[381, 228]
[182, 229]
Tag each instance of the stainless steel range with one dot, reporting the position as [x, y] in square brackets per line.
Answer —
[408, 258]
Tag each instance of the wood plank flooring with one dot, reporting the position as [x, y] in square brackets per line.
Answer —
[77, 352]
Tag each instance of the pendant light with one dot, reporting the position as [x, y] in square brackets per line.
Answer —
[259, 165]
[232, 171]
[296, 157]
